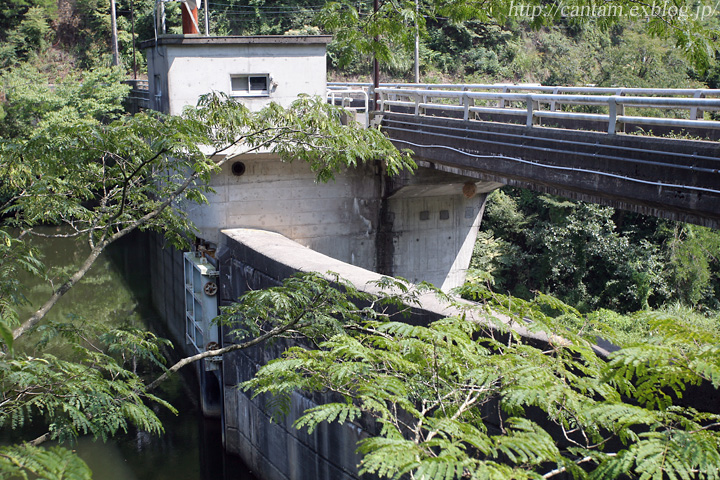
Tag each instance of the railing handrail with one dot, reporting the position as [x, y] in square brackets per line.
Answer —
[664, 102]
[508, 87]
[137, 84]
[615, 100]
[348, 94]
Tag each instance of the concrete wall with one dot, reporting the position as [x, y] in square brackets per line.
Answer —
[431, 222]
[252, 259]
[433, 237]
[181, 68]
[420, 227]
[274, 450]
[167, 287]
[339, 218]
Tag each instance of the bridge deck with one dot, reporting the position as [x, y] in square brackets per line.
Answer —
[672, 178]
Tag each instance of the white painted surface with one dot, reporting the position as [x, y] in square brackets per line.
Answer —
[181, 69]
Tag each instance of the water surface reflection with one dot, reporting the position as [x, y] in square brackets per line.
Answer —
[116, 291]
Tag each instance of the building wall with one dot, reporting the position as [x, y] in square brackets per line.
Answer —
[181, 68]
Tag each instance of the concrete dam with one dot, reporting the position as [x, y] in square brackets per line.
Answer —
[267, 220]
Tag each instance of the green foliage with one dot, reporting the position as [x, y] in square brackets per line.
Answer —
[33, 106]
[93, 396]
[264, 17]
[491, 41]
[15, 258]
[134, 345]
[694, 258]
[578, 252]
[72, 161]
[17, 12]
[28, 38]
[455, 400]
[55, 463]
[639, 60]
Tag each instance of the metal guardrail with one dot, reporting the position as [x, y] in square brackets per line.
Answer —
[139, 95]
[538, 104]
[348, 97]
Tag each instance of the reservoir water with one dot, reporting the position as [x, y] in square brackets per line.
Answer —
[116, 291]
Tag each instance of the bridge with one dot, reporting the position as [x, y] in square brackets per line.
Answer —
[646, 150]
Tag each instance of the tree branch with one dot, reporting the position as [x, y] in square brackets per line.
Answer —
[220, 351]
[60, 292]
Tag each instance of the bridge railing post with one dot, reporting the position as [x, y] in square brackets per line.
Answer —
[417, 98]
[695, 111]
[532, 105]
[615, 110]
[501, 101]
[466, 101]
[553, 102]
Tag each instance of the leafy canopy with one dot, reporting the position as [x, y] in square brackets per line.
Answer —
[100, 177]
[467, 397]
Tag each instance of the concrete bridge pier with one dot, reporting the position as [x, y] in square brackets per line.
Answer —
[428, 226]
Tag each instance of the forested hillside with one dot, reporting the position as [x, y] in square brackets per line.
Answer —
[76, 33]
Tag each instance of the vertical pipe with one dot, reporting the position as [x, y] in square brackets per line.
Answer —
[132, 19]
[207, 18]
[417, 42]
[376, 65]
[161, 17]
[113, 26]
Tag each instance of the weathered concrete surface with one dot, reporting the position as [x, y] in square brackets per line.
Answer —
[253, 259]
[432, 218]
[339, 218]
[167, 287]
[671, 178]
[421, 227]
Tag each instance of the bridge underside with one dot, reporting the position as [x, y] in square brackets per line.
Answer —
[669, 178]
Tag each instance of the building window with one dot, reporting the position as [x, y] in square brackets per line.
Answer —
[250, 85]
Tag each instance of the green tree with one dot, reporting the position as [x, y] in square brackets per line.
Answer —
[14, 12]
[381, 33]
[31, 103]
[27, 39]
[694, 258]
[467, 397]
[570, 249]
[594, 257]
[103, 180]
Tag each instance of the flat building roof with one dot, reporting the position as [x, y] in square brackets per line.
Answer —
[237, 40]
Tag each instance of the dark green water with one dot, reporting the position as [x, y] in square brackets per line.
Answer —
[116, 291]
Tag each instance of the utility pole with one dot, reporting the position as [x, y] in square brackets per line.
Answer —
[376, 65]
[417, 42]
[132, 19]
[113, 25]
[207, 18]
